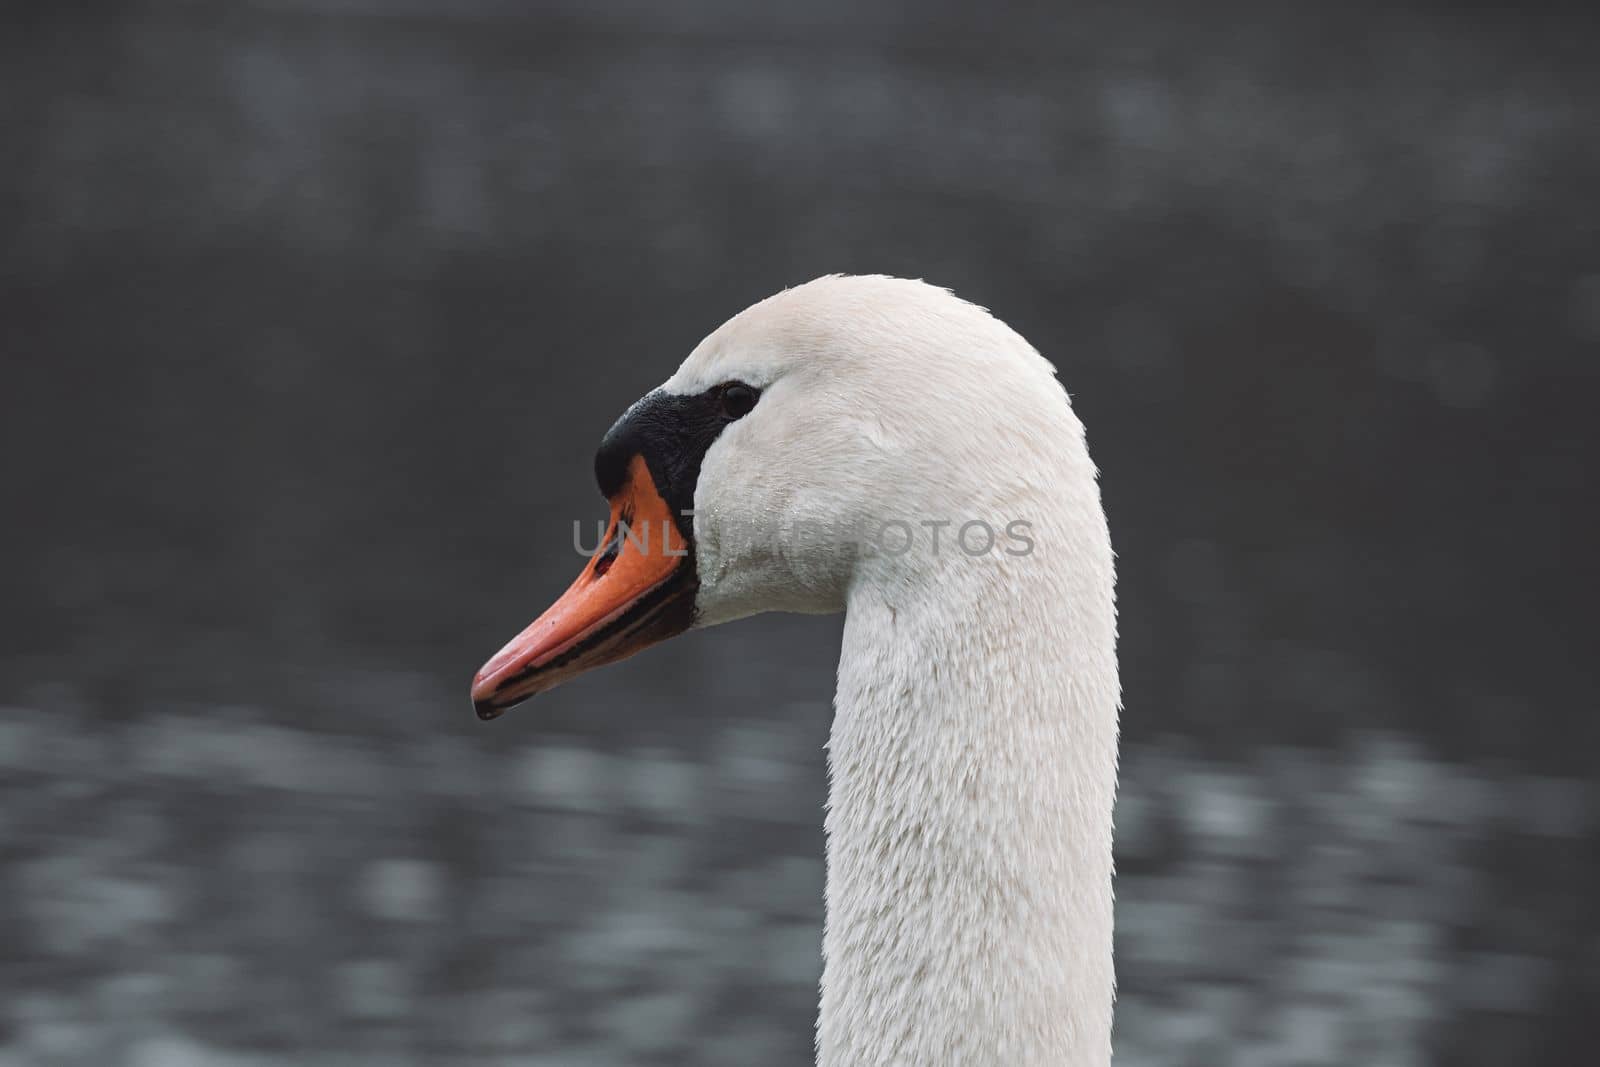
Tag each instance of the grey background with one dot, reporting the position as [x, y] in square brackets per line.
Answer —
[314, 310]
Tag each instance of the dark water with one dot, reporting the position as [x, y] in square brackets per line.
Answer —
[312, 312]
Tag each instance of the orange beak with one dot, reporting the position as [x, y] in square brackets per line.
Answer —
[637, 591]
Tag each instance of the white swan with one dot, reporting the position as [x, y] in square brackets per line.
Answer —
[974, 744]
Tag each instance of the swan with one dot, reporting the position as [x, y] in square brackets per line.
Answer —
[880, 447]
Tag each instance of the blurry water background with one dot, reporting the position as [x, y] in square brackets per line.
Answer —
[314, 310]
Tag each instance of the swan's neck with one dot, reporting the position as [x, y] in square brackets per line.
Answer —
[973, 770]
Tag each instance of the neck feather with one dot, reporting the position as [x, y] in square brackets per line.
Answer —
[972, 767]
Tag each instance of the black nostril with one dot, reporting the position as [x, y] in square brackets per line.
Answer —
[608, 554]
[613, 547]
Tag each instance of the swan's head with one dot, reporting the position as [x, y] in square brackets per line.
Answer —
[821, 435]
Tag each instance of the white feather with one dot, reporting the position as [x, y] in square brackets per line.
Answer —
[974, 745]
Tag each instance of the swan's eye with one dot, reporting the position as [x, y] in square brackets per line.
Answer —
[737, 399]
